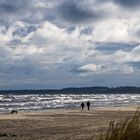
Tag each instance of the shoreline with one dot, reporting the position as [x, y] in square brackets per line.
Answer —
[61, 124]
[130, 107]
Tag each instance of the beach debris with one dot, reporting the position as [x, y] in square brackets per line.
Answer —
[14, 112]
[4, 135]
[7, 135]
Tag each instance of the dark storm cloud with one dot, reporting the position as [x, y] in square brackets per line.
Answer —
[135, 64]
[7, 8]
[128, 3]
[113, 47]
[74, 69]
[76, 12]
[70, 11]
[25, 10]
[87, 30]
[10, 6]
[24, 31]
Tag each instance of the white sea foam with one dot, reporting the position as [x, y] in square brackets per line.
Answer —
[54, 101]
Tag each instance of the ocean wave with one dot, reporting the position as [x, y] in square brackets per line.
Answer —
[54, 101]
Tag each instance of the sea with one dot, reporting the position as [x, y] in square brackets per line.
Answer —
[45, 102]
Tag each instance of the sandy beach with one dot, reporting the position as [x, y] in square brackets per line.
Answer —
[61, 124]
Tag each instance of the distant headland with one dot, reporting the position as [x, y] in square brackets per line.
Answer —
[80, 90]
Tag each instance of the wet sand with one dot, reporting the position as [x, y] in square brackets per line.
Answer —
[61, 124]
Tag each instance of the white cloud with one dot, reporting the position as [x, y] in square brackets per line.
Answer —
[41, 45]
[118, 68]
[90, 68]
[112, 30]
[41, 5]
[105, 69]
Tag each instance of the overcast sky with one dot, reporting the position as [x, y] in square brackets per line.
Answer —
[69, 43]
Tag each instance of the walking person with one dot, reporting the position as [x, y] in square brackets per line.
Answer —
[82, 105]
[88, 105]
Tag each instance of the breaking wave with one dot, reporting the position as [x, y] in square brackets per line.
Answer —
[35, 102]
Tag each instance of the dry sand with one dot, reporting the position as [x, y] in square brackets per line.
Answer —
[61, 124]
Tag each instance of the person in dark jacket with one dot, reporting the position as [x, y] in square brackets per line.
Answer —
[82, 105]
[88, 105]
